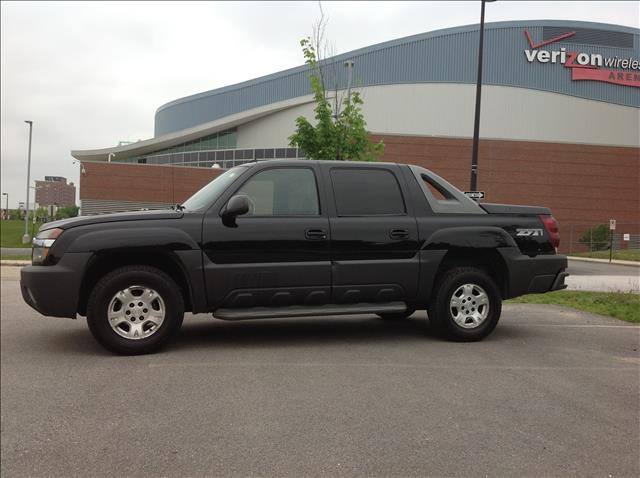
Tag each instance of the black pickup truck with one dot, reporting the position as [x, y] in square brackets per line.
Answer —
[296, 238]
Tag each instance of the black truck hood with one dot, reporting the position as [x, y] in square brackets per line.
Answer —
[115, 217]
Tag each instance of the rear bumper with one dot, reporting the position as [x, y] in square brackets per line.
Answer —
[54, 290]
[533, 275]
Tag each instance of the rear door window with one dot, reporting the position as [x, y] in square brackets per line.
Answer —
[366, 192]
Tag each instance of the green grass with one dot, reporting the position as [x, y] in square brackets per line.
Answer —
[623, 306]
[11, 232]
[15, 258]
[624, 255]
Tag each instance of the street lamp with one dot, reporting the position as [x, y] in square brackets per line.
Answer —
[7, 208]
[476, 124]
[349, 66]
[26, 237]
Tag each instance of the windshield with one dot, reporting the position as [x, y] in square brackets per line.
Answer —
[208, 194]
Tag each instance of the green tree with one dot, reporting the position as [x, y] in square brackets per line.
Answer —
[69, 211]
[598, 237]
[340, 135]
[41, 212]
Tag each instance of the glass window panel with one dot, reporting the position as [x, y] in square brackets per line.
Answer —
[366, 192]
[268, 153]
[282, 192]
[281, 152]
[291, 152]
[232, 139]
[222, 141]
[259, 153]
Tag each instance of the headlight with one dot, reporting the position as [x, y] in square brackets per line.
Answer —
[42, 243]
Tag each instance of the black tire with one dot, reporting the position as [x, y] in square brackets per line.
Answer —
[397, 316]
[120, 279]
[440, 312]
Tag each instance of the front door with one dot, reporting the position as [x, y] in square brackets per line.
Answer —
[374, 235]
[278, 253]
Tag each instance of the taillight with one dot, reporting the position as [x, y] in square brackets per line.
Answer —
[551, 225]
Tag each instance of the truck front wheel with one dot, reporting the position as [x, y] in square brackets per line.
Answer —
[466, 305]
[135, 310]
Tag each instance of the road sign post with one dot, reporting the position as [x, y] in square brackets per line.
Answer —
[612, 227]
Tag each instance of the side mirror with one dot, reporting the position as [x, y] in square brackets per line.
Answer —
[237, 206]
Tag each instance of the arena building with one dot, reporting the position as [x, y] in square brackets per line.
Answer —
[560, 120]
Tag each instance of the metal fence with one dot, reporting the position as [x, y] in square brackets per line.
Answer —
[585, 238]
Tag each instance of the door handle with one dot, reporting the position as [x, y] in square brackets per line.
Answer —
[315, 234]
[398, 233]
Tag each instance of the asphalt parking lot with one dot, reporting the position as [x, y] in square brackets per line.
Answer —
[552, 392]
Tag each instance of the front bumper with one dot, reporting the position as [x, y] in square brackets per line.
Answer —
[533, 275]
[54, 290]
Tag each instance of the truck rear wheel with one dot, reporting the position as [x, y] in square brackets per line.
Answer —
[466, 305]
[135, 310]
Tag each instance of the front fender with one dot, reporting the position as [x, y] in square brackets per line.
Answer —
[131, 238]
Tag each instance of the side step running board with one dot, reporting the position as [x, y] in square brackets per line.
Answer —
[302, 311]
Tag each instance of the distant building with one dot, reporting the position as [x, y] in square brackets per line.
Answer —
[560, 120]
[54, 191]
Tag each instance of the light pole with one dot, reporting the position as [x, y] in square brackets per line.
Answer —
[26, 237]
[349, 66]
[7, 208]
[476, 124]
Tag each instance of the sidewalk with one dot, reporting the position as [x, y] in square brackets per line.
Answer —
[604, 283]
[10, 262]
[605, 261]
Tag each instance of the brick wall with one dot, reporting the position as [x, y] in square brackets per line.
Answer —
[582, 184]
[142, 183]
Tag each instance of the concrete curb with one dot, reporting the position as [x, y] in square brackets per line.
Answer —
[604, 261]
[14, 263]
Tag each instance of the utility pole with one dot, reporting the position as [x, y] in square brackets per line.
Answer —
[349, 66]
[476, 124]
[26, 238]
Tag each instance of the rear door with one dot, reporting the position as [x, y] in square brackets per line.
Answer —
[374, 235]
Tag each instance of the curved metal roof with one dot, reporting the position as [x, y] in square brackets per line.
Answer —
[448, 55]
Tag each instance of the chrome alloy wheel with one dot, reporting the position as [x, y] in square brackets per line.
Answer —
[136, 312]
[469, 306]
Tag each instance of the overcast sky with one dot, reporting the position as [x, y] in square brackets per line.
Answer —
[92, 74]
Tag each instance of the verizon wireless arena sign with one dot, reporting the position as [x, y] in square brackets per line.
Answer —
[585, 66]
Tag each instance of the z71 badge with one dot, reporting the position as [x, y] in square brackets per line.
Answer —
[528, 232]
